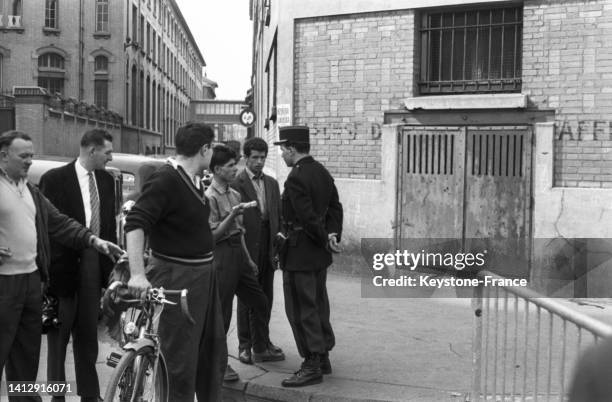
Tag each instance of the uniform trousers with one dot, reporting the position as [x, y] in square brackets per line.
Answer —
[196, 354]
[237, 278]
[245, 317]
[20, 336]
[308, 312]
[78, 316]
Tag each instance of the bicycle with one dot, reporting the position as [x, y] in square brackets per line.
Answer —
[140, 374]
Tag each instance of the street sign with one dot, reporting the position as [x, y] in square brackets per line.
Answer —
[283, 115]
[247, 117]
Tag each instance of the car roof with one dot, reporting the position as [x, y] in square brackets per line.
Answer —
[132, 162]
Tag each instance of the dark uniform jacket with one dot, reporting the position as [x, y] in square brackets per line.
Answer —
[592, 374]
[310, 210]
[50, 223]
[252, 217]
[61, 187]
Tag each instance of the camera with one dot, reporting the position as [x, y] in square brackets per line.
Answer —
[49, 313]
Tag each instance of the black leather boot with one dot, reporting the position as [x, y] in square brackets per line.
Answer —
[326, 367]
[308, 374]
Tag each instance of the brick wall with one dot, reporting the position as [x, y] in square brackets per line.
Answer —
[57, 133]
[567, 66]
[348, 70]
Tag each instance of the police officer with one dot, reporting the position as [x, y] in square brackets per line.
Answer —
[312, 226]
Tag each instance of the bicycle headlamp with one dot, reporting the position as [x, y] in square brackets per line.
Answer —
[129, 328]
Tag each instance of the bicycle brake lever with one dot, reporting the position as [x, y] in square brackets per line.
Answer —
[164, 301]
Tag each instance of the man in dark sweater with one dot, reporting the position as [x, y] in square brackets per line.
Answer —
[173, 212]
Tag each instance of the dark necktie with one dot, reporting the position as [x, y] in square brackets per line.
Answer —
[94, 201]
[260, 189]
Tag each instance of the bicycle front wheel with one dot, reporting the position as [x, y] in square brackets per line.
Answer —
[137, 379]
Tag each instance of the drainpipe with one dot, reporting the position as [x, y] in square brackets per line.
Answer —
[139, 86]
[81, 49]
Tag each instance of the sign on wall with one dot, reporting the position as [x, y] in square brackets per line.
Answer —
[283, 114]
[247, 117]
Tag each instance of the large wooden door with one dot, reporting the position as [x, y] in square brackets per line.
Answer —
[431, 188]
[497, 206]
[466, 188]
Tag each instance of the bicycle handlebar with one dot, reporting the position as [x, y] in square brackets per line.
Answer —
[119, 293]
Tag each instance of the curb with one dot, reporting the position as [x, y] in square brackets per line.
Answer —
[258, 384]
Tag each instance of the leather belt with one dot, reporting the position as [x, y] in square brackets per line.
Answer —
[187, 261]
[233, 240]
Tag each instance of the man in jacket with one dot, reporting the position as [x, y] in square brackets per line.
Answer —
[84, 191]
[27, 222]
[312, 225]
[261, 224]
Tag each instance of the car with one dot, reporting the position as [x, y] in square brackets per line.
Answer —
[135, 170]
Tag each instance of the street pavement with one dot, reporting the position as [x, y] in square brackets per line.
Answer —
[387, 349]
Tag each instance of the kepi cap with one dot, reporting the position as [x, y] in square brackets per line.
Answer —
[293, 134]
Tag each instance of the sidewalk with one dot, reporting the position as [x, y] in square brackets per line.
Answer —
[386, 350]
[400, 349]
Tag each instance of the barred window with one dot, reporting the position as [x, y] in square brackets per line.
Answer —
[102, 16]
[51, 14]
[474, 51]
[52, 84]
[101, 93]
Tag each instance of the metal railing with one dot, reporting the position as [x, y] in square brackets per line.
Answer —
[525, 345]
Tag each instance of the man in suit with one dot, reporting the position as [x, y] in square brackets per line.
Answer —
[261, 224]
[312, 226]
[85, 191]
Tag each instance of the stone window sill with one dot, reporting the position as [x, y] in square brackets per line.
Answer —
[101, 35]
[482, 101]
[51, 31]
[13, 29]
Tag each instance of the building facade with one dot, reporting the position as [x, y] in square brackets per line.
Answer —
[136, 58]
[448, 118]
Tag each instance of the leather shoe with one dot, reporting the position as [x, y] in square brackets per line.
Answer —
[244, 356]
[268, 355]
[326, 367]
[308, 374]
[274, 348]
[230, 374]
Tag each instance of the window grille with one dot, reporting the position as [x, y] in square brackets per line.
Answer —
[475, 51]
[102, 16]
[101, 93]
[53, 85]
[51, 14]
